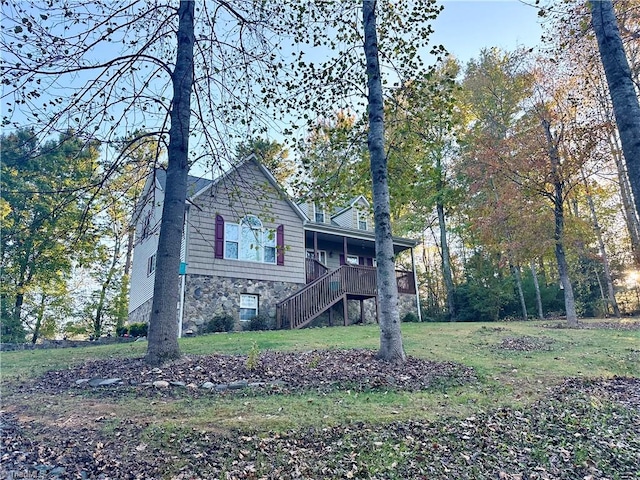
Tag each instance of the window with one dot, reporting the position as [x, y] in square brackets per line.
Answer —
[362, 221]
[269, 244]
[231, 239]
[249, 241]
[151, 264]
[322, 256]
[352, 260]
[248, 307]
[145, 231]
[319, 213]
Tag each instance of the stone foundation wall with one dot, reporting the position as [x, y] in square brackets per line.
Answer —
[208, 296]
[406, 304]
[142, 314]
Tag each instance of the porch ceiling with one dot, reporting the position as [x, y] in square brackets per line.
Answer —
[355, 238]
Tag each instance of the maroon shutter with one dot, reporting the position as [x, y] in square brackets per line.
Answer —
[370, 262]
[342, 259]
[219, 236]
[280, 244]
[360, 260]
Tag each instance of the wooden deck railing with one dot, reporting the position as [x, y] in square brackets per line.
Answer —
[314, 269]
[315, 298]
[406, 281]
[329, 288]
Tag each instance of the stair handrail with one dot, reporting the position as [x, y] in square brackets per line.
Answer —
[314, 298]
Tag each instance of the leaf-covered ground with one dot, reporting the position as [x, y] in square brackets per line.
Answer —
[269, 372]
[584, 429]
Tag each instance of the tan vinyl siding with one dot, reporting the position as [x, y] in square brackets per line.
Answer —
[345, 219]
[306, 208]
[349, 217]
[246, 191]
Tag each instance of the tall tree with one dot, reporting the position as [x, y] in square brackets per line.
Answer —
[391, 348]
[391, 57]
[272, 154]
[47, 190]
[494, 88]
[553, 151]
[137, 66]
[621, 88]
[163, 325]
[422, 123]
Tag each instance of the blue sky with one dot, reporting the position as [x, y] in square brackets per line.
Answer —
[464, 27]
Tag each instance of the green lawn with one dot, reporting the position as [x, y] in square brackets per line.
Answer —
[507, 377]
[515, 380]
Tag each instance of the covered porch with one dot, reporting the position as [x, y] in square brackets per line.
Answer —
[340, 266]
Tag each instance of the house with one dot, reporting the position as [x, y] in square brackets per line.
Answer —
[248, 249]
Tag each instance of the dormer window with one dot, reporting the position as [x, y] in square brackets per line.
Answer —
[319, 213]
[362, 221]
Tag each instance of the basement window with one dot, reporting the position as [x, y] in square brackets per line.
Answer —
[248, 307]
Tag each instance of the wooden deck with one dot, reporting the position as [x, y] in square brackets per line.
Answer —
[329, 288]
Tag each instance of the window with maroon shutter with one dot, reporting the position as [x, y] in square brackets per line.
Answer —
[219, 253]
[280, 244]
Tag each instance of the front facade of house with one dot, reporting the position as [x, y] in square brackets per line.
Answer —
[249, 250]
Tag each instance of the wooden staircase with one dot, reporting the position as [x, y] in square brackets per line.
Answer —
[348, 281]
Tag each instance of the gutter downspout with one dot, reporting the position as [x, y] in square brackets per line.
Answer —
[183, 275]
[415, 281]
[181, 308]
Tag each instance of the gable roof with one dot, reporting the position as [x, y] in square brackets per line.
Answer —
[194, 184]
[337, 211]
[272, 180]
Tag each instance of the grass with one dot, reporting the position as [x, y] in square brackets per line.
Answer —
[509, 379]
[506, 377]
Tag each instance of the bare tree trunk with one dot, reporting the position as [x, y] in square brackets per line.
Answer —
[391, 348]
[630, 217]
[515, 270]
[39, 318]
[129, 257]
[536, 286]
[98, 317]
[446, 263]
[626, 107]
[163, 325]
[611, 300]
[558, 212]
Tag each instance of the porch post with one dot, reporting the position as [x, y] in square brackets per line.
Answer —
[415, 281]
[315, 245]
[377, 311]
[344, 247]
[346, 310]
[362, 311]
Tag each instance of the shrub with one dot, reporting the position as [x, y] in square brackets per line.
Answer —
[11, 331]
[410, 317]
[138, 329]
[253, 358]
[122, 331]
[220, 323]
[260, 322]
